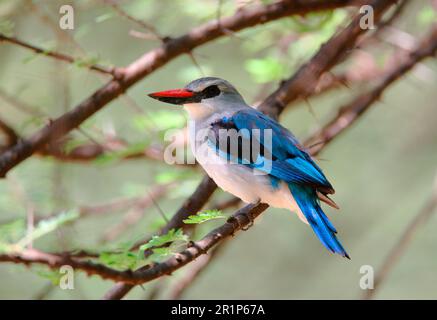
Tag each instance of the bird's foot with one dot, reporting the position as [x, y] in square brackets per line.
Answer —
[243, 215]
[249, 217]
[237, 221]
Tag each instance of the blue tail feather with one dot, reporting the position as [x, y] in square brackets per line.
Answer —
[307, 200]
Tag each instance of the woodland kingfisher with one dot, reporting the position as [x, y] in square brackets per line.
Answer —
[277, 169]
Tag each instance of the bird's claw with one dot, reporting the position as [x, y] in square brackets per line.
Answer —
[249, 217]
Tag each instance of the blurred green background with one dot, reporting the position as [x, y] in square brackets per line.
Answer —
[383, 167]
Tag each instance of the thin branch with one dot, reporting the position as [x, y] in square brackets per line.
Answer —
[136, 21]
[54, 54]
[305, 80]
[11, 136]
[350, 113]
[136, 213]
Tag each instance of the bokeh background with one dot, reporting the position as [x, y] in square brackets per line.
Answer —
[383, 168]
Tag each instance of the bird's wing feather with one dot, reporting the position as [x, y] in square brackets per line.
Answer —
[288, 160]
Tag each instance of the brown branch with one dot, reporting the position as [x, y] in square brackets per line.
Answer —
[405, 239]
[305, 80]
[54, 54]
[11, 136]
[192, 205]
[350, 113]
[31, 256]
[148, 63]
[92, 151]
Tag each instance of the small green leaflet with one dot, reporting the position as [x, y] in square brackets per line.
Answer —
[171, 236]
[119, 260]
[204, 216]
[53, 275]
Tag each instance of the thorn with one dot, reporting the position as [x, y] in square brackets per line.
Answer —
[310, 107]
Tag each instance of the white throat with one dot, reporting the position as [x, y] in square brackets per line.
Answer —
[198, 110]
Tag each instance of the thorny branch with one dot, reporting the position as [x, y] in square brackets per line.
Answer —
[54, 54]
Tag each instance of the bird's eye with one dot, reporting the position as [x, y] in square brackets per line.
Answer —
[210, 92]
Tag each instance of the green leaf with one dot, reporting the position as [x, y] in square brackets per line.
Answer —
[52, 275]
[160, 254]
[119, 260]
[204, 216]
[170, 237]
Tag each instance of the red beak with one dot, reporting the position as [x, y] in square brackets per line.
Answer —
[176, 93]
[177, 96]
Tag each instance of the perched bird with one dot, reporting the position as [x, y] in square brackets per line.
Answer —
[277, 170]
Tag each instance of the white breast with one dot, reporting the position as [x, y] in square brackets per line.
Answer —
[243, 183]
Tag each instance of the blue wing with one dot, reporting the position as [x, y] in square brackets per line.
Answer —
[289, 162]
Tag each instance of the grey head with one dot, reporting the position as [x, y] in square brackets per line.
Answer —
[204, 96]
